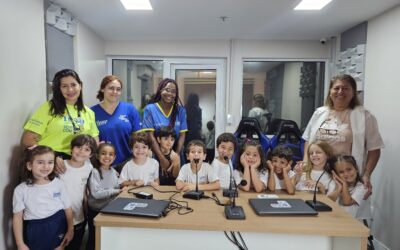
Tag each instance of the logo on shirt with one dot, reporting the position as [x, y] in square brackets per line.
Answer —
[101, 123]
[123, 118]
[57, 195]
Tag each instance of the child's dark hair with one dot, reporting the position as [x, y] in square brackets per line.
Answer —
[349, 159]
[29, 156]
[263, 161]
[84, 139]
[166, 132]
[96, 162]
[227, 137]
[141, 137]
[282, 152]
[195, 143]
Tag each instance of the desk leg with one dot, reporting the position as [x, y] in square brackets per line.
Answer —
[98, 238]
[364, 243]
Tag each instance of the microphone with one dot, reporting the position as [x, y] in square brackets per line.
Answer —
[230, 192]
[195, 195]
[233, 212]
[317, 205]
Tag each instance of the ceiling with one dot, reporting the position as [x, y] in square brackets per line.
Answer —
[200, 19]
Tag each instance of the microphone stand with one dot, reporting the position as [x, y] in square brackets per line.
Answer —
[230, 192]
[317, 205]
[195, 195]
[233, 212]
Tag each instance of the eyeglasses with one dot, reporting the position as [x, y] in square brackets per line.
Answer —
[171, 91]
[328, 131]
[343, 89]
[114, 89]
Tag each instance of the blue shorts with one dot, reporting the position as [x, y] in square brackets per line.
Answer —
[47, 233]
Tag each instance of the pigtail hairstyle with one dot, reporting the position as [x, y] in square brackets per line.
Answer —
[96, 162]
[177, 100]
[28, 157]
[350, 159]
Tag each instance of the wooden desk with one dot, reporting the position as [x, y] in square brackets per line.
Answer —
[203, 228]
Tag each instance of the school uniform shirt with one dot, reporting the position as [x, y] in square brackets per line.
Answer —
[58, 131]
[40, 201]
[325, 180]
[75, 181]
[262, 175]
[154, 118]
[361, 210]
[118, 127]
[224, 174]
[206, 174]
[280, 184]
[102, 190]
[148, 172]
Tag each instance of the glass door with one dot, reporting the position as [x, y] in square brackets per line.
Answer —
[202, 92]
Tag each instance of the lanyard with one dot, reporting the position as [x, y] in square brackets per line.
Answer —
[76, 127]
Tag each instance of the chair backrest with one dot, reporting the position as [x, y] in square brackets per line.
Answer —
[249, 128]
[289, 135]
[274, 126]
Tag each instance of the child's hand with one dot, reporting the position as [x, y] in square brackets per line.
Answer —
[243, 161]
[310, 183]
[338, 181]
[298, 168]
[59, 167]
[287, 168]
[23, 247]
[139, 183]
[188, 187]
[270, 166]
[154, 184]
[68, 237]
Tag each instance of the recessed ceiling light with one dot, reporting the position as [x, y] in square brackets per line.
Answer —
[312, 4]
[137, 4]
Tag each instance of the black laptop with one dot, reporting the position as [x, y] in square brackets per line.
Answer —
[281, 207]
[136, 207]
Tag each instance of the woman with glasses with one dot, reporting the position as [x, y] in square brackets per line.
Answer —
[347, 127]
[165, 109]
[59, 120]
[116, 120]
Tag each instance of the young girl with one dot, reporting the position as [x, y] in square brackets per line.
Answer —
[42, 210]
[350, 190]
[308, 173]
[75, 179]
[252, 166]
[103, 186]
[141, 170]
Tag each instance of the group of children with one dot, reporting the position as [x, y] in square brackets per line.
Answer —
[58, 207]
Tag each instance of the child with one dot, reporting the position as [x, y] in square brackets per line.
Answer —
[280, 173]
[42, 210]
[252, 166]
[166, 137]
[75, 179]
[141, 170]
[307, 174]
[350, 190]
[226, 146]
[207, 179]
[103, 186]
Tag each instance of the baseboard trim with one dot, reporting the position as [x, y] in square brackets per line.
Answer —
[379, 245]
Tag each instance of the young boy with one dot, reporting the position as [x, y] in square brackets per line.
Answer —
[226, 146]
[207, 179]
[280, 174]
[75, 179]
[166, 137]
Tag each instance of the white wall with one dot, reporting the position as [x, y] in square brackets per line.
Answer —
[23, 79]
[223, 49]
[382, 88]
[291, 101]
[90, 61]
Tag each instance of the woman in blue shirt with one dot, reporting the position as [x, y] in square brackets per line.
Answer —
[165, 109]
[115, 120]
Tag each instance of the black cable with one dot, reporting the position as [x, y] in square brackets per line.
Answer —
[243, 243]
